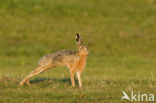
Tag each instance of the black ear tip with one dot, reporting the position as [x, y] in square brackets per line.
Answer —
[77, 34]
[77, 37]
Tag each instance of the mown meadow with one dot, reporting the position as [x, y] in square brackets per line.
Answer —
[119, 34]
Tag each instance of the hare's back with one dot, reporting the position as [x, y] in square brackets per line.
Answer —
[58, 57]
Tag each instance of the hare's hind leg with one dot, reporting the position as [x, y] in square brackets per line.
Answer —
[79, 78]
[38, 70]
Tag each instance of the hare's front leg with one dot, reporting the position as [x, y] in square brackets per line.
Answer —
[72, 77]
[79, 78]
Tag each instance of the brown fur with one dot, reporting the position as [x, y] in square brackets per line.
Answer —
[81, 63]
[74, 60]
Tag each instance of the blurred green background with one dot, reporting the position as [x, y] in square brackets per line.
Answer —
[120, 35]
[109, 28]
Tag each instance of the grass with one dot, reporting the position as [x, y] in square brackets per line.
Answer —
[120, 36]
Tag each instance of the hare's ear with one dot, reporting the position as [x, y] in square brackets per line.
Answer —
[78, 39]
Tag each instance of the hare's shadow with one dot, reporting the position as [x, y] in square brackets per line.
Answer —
[61, 80]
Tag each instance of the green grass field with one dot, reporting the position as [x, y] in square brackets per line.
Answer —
[120, 35]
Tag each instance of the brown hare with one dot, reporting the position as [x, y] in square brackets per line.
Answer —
[74, 60]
